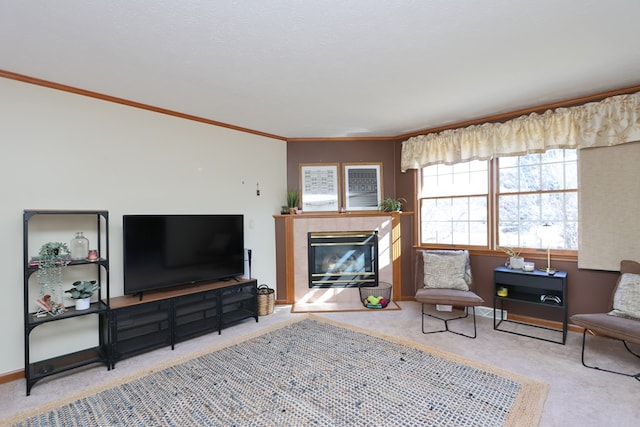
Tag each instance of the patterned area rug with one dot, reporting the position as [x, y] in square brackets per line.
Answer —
[310, 372]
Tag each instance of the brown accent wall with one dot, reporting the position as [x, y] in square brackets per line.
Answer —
[373, 151]
[588, 290]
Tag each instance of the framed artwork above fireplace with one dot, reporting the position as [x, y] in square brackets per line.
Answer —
[362, 186]
[320, 187]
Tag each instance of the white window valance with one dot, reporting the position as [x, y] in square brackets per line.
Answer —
[612, 121]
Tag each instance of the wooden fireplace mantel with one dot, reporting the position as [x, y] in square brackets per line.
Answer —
[306, 215]
[290, 260]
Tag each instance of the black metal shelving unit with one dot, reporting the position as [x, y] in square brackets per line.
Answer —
[525, 287]
[37, 370]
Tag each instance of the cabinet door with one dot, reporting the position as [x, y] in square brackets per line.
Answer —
[141, 327]
[239, 302]
[195, 315]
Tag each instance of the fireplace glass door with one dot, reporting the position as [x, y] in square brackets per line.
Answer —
[343, 259]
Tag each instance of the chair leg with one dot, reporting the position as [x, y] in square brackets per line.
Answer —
[584, 343]
[446, 322]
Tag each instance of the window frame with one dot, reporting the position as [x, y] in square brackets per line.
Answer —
[493, 245]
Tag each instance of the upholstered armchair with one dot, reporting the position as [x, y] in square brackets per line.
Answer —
[443, 278]
[622, 321]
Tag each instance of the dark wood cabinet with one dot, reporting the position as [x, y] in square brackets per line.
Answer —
[535, 287]
[168, 317]
[140, 328]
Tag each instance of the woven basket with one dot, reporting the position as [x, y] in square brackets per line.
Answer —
[266, 300]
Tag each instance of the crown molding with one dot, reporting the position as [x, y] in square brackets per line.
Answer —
[122, 101]
[487, 119]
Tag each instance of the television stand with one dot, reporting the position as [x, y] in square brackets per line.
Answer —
[167, 317]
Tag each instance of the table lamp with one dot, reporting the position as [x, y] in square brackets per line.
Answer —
[546, 233]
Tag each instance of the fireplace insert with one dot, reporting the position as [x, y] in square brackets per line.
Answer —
[343, 259]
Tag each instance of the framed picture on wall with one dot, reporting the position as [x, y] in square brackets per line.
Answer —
[319, 187]
[362, 186]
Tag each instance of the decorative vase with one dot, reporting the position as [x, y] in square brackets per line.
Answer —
[516, 262]
[83, 303]
[79, 247]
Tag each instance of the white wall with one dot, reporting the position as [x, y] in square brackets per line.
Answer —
[65, 151]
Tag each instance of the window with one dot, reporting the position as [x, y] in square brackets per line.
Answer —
[459, 203]
[453, 206]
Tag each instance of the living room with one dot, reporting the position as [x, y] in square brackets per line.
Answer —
[72, 151]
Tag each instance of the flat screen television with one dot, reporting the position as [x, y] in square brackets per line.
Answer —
[162, 251]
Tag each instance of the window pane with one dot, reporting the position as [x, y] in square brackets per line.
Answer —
[508, 180]
[457, 180]
[542, 182]
[454, 220]
[529, 177]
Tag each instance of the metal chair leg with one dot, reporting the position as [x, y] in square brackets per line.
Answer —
[584, 343]
[446, 322]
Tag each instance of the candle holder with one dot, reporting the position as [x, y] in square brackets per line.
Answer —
[93, 255]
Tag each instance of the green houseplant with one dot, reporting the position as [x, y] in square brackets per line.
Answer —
[390, 204]
[52, 258]
[293, 199]
[82, 291]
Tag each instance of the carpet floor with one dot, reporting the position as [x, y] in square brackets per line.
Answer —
[310, 371]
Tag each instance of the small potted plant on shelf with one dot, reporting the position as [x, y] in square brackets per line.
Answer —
[51, 259]
[82, 291]
[293, 200]
[390, 204]
[514, 261]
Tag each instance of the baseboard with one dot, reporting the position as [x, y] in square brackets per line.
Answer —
[483, 311]
[543, 322]
[11, 376]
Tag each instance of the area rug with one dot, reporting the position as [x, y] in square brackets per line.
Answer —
[309, 372]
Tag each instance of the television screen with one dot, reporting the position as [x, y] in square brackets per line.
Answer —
[162, 251]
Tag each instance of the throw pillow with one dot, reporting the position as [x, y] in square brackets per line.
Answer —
[626, 300]
[445, 271]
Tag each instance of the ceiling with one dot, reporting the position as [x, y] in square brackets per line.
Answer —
[327, 68]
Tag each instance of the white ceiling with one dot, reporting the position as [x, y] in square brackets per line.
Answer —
[328, 68]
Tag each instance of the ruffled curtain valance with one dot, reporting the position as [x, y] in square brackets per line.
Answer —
[612, 121]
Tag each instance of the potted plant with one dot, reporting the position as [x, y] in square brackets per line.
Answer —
[515, 261]
[52, 258]
[390, 204]
[293, 199]
[82, 291]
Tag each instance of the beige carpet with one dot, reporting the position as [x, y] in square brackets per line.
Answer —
[577, 396]
[318, 371]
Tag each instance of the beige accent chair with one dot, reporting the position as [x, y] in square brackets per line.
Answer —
[448, 281]
[616, 323]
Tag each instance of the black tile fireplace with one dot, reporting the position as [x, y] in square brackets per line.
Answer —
[343, 259]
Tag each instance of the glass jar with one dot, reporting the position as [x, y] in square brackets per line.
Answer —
[79, 247]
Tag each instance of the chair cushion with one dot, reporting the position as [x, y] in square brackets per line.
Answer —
[626, 298]
[445, 270]
[615, 327]
[448, 297]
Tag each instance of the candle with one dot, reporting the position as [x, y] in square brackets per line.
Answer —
[93, 255]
